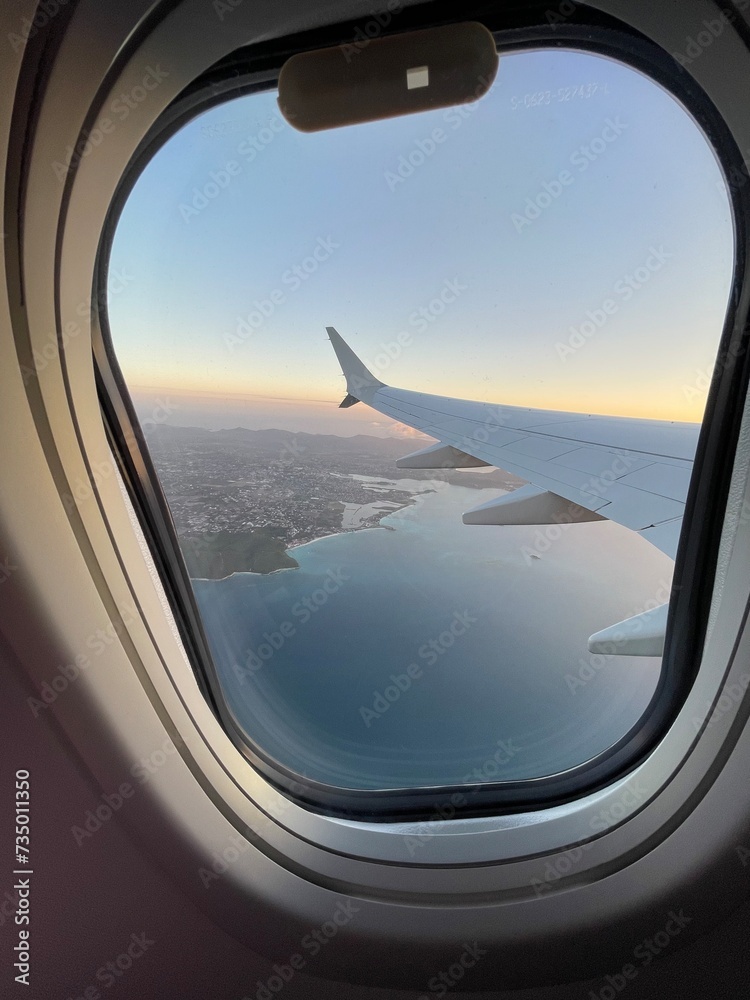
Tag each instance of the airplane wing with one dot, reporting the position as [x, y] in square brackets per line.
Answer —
[580, 467]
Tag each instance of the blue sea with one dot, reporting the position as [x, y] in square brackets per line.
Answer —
[425, 651]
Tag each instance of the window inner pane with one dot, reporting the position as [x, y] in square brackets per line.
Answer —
[564, 244]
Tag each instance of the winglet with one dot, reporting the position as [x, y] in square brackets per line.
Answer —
[360, 381]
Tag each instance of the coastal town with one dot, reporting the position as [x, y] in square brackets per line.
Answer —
[241, 498]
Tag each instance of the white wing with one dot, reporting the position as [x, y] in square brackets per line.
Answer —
[582, 467]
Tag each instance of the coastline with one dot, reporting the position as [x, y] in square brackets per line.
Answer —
[414, 499]
[428, 488]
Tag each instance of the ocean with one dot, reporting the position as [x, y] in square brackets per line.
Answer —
[429, 652]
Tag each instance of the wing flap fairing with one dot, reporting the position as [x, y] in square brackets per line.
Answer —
[530, 505]
[440, 456]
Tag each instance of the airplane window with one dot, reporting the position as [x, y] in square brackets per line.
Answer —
[560, 251]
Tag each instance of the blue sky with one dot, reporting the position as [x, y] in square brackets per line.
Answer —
[600, 207]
